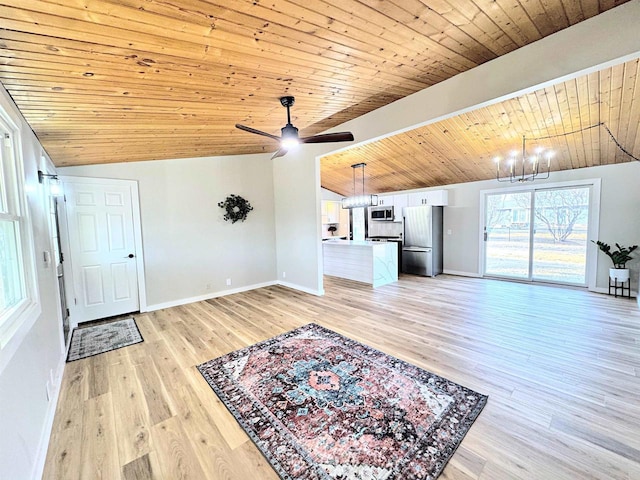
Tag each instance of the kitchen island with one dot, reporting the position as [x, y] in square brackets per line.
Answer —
[375, 263]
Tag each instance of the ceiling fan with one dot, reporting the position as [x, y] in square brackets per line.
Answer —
[290, 136]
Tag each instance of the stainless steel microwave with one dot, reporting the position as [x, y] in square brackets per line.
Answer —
[384, 214]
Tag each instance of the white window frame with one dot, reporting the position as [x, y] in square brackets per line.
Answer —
[18, 321]
[592, 232]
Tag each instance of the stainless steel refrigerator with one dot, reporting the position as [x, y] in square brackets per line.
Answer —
[422, 248]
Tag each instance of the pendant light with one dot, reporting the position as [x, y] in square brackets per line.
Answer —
[359, 201]
[524, 169]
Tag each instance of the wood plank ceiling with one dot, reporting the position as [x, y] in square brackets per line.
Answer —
[463, 148]
[103, 81]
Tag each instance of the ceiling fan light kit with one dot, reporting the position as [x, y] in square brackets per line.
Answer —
[289, 137]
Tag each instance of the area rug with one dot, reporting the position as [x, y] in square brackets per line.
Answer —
[322, 406]
[90, 341]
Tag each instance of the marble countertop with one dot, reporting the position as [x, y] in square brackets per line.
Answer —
[348, 242]
[358, 243]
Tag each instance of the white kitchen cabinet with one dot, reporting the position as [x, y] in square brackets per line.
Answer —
[385, 201]
[430, 197]
[399, 202]
[330, 211]
[440, 198]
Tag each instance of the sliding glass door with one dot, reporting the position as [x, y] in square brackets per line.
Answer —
[560, 235]
[507, 234]
[538, 235]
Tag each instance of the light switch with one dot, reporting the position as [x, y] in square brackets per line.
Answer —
[46, 256]
[449, 232]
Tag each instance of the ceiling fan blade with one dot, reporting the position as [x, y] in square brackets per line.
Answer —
[290, 133]
[279, 153]
[329, 137]
[257, 132]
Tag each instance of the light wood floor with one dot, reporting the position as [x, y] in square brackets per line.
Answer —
[561, 368]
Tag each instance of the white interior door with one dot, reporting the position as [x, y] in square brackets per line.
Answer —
[102, 247]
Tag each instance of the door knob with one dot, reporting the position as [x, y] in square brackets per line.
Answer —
[131, 255]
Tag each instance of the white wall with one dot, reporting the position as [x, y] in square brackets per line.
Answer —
[25, 412]
[329, 195]
[189, 250]
[296, 182]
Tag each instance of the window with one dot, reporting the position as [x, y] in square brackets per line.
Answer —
[17, 290]
[11, 274]
[540, 233]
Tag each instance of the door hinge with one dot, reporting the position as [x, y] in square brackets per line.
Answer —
[61, 257]
[67, 312]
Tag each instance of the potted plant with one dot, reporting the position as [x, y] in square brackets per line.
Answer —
[332, 228]
[620, 256]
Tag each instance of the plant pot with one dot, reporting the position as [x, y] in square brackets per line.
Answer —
[619, 274]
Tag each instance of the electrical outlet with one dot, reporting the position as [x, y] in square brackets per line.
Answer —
[449, 232]
[228, 282]
[284, 274]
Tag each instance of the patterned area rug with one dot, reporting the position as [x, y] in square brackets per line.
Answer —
[322, 406]
[90, 341]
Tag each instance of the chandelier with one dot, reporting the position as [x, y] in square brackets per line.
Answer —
[524, 168]
[358, 201]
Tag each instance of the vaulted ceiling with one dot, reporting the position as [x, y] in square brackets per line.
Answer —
[106, 81]
[463, 148]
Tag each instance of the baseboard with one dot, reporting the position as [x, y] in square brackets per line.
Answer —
[222, 293]
[462, 274]
[208, 296]
[317, 293]
[45, 438]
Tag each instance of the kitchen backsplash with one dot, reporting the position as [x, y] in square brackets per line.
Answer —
[385, 229]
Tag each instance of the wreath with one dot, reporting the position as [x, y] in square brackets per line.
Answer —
[236, 208]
